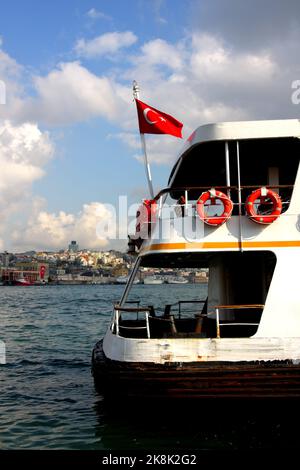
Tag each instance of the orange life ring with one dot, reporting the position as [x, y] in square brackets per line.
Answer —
[263, 194]
[145, 217]
[212, 195]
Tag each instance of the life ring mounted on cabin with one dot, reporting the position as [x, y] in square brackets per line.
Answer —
[268, 199]
[212, 195]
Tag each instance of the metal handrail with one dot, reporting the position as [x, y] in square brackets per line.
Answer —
[162, 195]
[115, 327]
[133, 327]
[118, 309]
[205, 188]
[132, 309]
[234, 307]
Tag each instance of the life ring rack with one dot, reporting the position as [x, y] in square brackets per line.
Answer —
[212, 195]
[263, 194]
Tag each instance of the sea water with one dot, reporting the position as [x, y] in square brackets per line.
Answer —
[47, 394]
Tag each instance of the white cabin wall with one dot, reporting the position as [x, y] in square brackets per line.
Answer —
[281, 315]
[294, 207]
[218, 287]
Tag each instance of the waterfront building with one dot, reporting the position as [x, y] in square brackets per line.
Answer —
[73, 246]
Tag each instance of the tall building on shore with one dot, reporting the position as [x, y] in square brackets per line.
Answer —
[73, 246]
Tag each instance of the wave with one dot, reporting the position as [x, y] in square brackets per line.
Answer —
[51, 363]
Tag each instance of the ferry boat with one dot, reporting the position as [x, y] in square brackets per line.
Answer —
[124, 280]
[22, 281]
[153, 280]
[176, 280]
[232, 206]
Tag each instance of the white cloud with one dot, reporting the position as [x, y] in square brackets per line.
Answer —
[211, 61]
[95, 14]
[54, 231]
[24, 144]
[160, 52]
[106, 44]
[10, 76]
[71, 93]
[24, 152]
[161, 150]
[8, 66]
[130, 139]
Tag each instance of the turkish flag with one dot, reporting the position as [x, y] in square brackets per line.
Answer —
[153, 121]
[42, 271]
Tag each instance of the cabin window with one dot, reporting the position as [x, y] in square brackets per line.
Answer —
[267, 162]
[263, 162]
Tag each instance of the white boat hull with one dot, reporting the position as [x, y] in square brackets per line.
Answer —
[153, 282]
[200, 379]
[167, 350]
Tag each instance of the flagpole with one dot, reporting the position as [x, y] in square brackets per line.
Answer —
[136, 94]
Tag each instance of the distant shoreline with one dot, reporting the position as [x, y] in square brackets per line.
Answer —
[93, 283]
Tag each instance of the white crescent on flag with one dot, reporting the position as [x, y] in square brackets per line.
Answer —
[145, 112]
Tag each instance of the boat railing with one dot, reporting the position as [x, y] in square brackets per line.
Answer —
[233, 323]
[171, 313]
[118, 327]
[177, 308]
[134, 327]
[183, 198]
[130, 302]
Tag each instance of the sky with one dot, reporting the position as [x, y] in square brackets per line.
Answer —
[69, 140]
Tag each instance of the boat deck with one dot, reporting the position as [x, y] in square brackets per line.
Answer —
[244, 322]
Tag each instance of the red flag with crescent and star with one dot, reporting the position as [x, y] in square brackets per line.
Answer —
[153, 121]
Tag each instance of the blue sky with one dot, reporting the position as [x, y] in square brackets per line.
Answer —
[69, 138]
